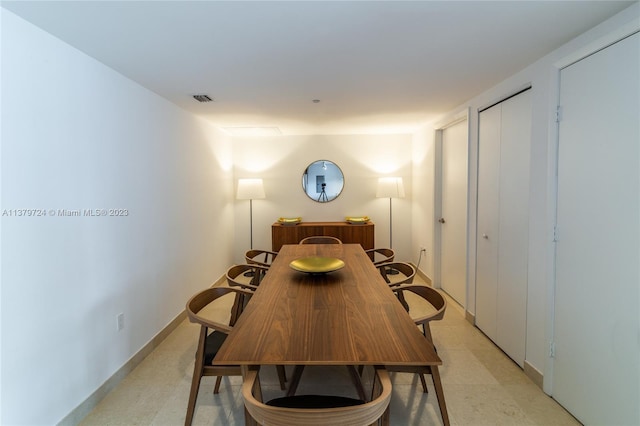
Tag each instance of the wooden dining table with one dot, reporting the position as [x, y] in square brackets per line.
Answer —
[346, 317]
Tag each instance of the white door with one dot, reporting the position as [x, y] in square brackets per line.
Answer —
[596, 373]
[487, 218]
[453, 223]
[513, 233]
[503, 223]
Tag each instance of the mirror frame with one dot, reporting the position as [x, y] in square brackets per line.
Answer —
[322, 197]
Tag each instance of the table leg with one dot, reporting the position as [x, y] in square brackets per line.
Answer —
[440, 394]
[295, 379]
[357, 381]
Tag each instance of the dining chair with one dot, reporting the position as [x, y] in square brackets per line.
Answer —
[422, 317]
[318, 410]
[246, 277]
[380, 255]
[321, 239]
[434, 298]
[209, 343]
[260, 257]
[237, 275]
[397, 274]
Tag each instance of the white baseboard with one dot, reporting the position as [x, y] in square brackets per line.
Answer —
[471, 318]
[423, 276]
[534, 374]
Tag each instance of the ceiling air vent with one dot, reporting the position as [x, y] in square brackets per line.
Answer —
[202, 98]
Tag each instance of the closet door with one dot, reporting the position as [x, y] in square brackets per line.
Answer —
[515, 144]
[488, 215]
[503, 225]
[596, 369]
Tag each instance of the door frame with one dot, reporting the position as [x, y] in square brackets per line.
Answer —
[437, 234]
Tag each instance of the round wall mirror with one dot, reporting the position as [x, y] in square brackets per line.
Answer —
[322, 181]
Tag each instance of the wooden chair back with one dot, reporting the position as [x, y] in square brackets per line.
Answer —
[365, 413]
[434, 297]
[246, 277]
[381, 255]
[260, 257]
[321, 239]
[406, 273]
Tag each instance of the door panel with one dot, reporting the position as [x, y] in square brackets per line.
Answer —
[453, 232]
[488, 216]
[514, 225]
[596, 371]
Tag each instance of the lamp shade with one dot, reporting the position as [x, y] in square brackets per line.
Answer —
[390, 187]
[250, 189]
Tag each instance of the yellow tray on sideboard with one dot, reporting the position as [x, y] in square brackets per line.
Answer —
[289, 221]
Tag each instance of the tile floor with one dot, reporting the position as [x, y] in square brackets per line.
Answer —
[482, 386]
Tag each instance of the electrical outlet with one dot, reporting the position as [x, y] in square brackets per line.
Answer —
[120, 321]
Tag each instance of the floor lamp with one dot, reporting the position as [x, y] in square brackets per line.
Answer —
[390, 187]
[250, 189]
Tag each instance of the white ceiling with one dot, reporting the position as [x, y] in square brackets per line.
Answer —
[377, 67]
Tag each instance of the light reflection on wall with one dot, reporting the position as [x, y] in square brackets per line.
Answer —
[383, 159]
[265, 153]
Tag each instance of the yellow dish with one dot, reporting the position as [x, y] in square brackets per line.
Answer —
[359, 220]
[317, 264]
[289, 220]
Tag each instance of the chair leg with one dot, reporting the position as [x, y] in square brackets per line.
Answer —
[236, 308]
[355, 378]
[193, 395]
[282, 376]
[404, 303]
[197, 376]
[426, 330]
[216, 388]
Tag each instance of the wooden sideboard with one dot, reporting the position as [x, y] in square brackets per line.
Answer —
[348, 234]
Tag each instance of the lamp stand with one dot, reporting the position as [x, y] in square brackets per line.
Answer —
[250, 273]
[250, 224]
[391, 271]
[390, 225]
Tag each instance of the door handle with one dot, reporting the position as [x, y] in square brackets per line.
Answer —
[485, 236]
[441, 220]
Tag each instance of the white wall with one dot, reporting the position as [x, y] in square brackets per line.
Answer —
[280, 162]
[423, 207]
[77, 135]
[543, 77]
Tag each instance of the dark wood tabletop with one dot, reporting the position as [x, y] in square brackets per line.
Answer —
[345, 317]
